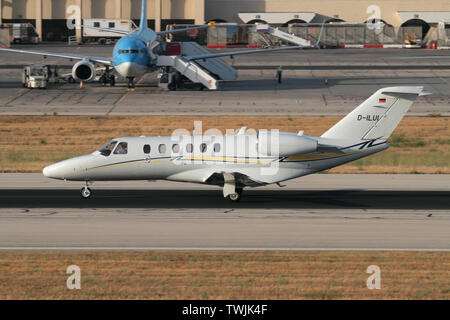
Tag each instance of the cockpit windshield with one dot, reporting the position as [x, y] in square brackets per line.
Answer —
[127, 51]
[122, 148]
[108, 148]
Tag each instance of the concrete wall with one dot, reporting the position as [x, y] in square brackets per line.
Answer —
[39, 10]
[203, 10]
[56, 9]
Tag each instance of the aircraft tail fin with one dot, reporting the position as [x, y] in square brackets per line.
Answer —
[378, 116]
[143, 23]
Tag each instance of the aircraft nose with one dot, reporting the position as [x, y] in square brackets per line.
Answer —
[125, 69]
[66, 169]
[55, 171]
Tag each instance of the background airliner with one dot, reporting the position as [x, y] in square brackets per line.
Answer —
[243, 160]
[134, 54]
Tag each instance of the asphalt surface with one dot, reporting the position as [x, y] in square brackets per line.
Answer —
[324, 212]
[315, 82]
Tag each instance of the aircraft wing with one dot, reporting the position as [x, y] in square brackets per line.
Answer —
[235, 53]
[103, 29]
[100, 60]
[241, 179]
[181, 30]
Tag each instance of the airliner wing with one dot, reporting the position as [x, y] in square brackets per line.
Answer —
[235, 53]
[100, 60]
[181, 30]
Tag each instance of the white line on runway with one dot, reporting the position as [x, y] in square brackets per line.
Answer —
[212, 249]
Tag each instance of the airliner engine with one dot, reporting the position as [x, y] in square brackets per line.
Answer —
[83, 71]
[284, 144]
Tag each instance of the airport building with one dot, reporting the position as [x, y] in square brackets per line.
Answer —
[49, 16]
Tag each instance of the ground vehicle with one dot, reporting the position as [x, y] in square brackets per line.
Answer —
[22, 33]
[35, 76]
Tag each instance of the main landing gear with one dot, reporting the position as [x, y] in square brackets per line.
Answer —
[107, 77]
[131, 84]
[86, 192]
[236, 196]
[230, 191]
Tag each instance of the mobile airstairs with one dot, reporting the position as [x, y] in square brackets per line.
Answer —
[178, 72]
[265, 28]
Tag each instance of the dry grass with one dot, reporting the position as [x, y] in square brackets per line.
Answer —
[225, 275]
[420, 145]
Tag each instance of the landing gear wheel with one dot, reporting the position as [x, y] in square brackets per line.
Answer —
[131, 84]
[112, 81]
[235, 197]
[172, 86]
[86, 192]
[102, 80]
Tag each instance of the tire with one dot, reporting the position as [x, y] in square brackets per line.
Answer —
[102, 80]
[234, 197]
[172, 86]
[86, 192]
[112, 81]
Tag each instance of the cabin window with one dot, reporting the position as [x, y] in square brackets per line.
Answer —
[162, 148]
[107, 148]
[112, 25]
[122, 148]
[147, 148]
[97, 24]
[189, 148]
[203, 147]
[216, 147]
[175, 148]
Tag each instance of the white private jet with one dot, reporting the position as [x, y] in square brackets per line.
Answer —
[243, 160]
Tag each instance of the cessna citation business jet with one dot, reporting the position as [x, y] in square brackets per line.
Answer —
[243, 160]
[134, 54]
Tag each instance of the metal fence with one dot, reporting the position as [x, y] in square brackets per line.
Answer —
[345, 34]
[4, 37]
[334, 34]
[443, 34]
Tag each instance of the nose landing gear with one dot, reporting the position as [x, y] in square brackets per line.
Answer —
[131, 84]
[86, 192]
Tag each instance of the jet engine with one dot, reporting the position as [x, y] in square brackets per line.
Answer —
[284, 144]
[83, 71]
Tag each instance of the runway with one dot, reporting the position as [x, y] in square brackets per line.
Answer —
[317, 212]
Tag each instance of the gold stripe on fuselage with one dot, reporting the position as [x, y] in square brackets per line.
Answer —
[294, 158]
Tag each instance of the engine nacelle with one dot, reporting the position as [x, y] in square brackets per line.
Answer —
[284, 144]
[83, 71]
